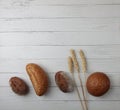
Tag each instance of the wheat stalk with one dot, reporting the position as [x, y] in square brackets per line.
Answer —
[84, 63]
[70, 67]
[84, 69]
[76, 65]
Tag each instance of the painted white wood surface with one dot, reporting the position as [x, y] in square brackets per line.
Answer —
[42, 32]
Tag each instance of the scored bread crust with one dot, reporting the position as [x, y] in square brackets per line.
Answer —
[38, 78]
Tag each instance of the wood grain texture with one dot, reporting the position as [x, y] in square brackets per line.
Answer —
[55, 64]
[43, 32]
[58, 38]
[60, 25]
[10, 3]
[38, 52]
[93, 105]
[61, 11]
[7, 3]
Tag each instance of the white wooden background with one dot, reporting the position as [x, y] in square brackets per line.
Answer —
[42, 32]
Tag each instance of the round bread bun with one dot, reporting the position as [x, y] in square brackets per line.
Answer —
[98, 84]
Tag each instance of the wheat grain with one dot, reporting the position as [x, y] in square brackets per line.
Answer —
[70, 64]
[84, 63]
[75, 62]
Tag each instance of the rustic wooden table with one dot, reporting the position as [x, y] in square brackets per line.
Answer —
[42, 32]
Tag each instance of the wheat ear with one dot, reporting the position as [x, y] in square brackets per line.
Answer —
[70, 67]
[84, 63]
[75, 62]
[76, 65]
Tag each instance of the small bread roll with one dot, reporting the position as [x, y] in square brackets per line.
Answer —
[98, 84]
[63, 82]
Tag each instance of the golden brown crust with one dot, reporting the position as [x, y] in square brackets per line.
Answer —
[98, 84]
[38, 78]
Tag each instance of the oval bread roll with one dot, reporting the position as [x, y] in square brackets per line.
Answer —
[38, 78]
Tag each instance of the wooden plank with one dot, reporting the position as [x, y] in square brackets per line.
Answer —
[81, 24]
[59, 38]
[38, 52]
[55, 94]
[60, 11]
[54, 65]
[4, 78]
[8, 3]
[58, 105]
